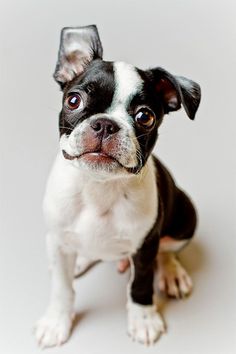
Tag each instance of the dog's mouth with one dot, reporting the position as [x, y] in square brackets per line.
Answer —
[100, 159]
[92, 157]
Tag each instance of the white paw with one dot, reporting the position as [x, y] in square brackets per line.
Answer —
[83, 264]
[172, 277]
[53, 330]
[145, 324]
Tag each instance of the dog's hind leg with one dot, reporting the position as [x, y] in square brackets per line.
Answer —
[173, 279]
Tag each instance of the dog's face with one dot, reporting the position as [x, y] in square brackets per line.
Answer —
[111, 110]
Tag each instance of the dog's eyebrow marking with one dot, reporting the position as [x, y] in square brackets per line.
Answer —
[127, 84]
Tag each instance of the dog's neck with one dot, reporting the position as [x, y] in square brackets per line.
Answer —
[82, 185]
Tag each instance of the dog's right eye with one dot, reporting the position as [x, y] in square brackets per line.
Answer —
[73, 101]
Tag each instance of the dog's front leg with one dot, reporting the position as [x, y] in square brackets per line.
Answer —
[55, 326]
[145, 324]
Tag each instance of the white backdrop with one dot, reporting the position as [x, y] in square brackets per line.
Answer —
[192, 38]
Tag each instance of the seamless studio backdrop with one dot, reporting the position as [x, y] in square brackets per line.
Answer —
[191, 38]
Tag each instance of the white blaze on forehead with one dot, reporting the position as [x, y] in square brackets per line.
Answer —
[127, 84]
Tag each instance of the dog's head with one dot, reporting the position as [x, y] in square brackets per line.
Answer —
[111, 110]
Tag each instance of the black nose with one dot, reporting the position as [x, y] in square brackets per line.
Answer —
[104, 127]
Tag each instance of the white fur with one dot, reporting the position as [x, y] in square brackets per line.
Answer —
[172, 277]
[100, 219]
[168, 244]
[126, 149]
[55, 326]
[128, 83]
[145, 324]
[97, 219]
[97, 215]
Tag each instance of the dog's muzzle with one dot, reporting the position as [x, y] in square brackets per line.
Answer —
[102, 143]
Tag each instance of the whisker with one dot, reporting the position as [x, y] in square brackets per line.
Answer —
[61, 126]
[139, 136]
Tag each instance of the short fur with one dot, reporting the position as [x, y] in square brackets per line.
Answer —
[107, 196]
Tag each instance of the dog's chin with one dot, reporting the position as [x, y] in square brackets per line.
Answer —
[100, 163]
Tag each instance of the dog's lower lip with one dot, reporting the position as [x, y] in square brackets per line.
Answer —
[90, 156]
[97, 157]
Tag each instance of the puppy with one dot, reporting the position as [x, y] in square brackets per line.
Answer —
[107, 197]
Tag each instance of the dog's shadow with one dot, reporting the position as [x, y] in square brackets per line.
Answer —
[194, 257]
[78, 318]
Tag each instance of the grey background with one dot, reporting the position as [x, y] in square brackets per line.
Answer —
[192, 38]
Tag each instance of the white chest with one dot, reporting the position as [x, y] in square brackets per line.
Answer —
[112, 233]
[104, 221]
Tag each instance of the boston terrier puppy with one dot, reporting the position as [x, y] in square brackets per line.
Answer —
[108, 198]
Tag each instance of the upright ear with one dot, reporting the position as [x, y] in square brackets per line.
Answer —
[175, 91]
[78, 47]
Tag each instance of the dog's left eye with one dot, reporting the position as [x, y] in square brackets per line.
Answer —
[145, 118]
[73, 101]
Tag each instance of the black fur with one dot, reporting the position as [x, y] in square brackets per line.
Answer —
[176, 218]
[161, 93]
[96, 86]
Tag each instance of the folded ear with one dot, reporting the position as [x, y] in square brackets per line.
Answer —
[78, 47]
[176, 91]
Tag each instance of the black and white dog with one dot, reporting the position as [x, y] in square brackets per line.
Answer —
[108, 197]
